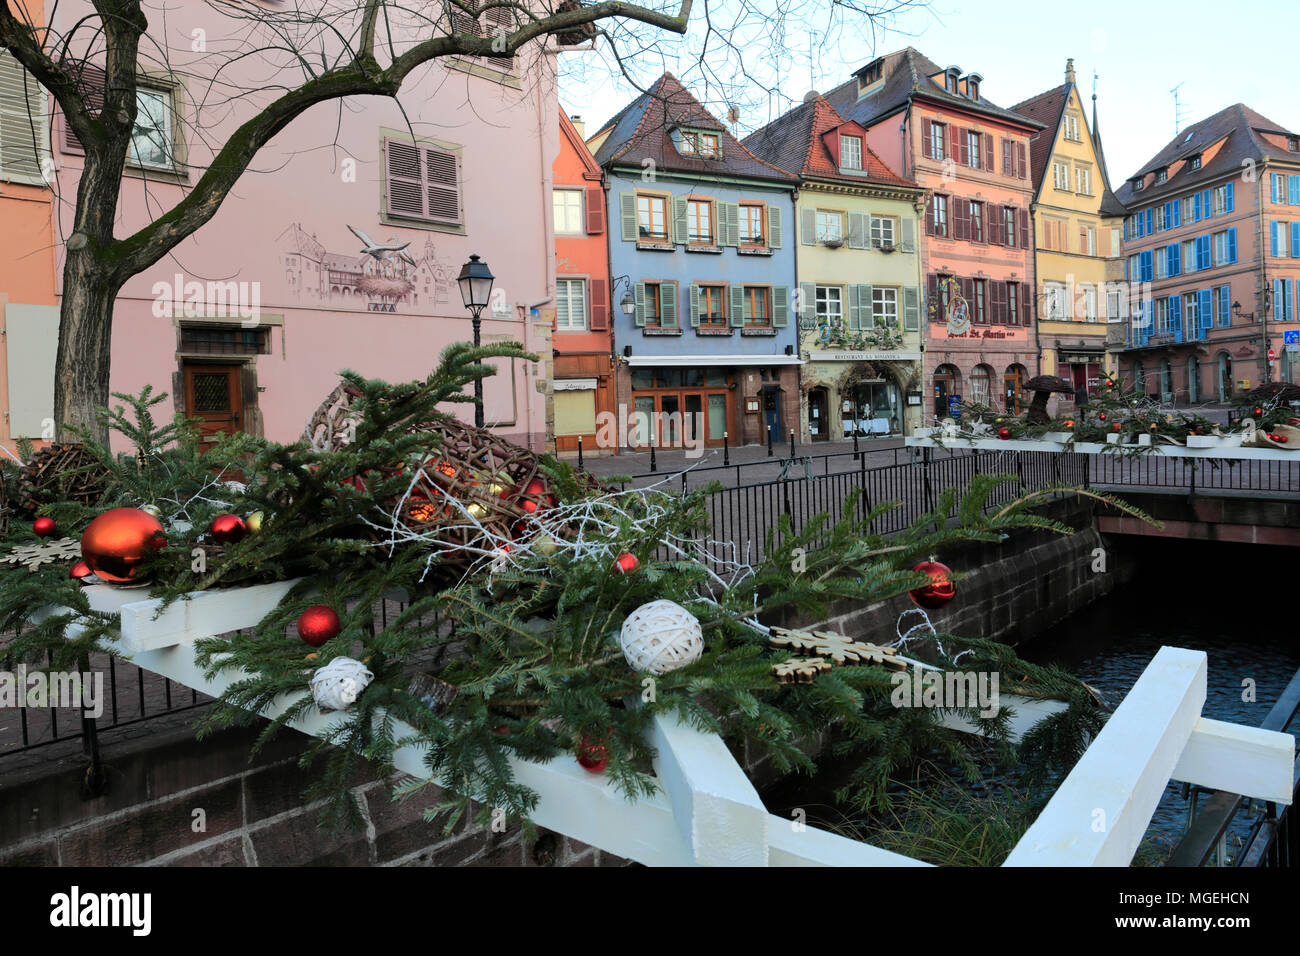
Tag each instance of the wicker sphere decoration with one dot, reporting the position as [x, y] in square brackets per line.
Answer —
[116, 543]
[64, 471]
[660, 637]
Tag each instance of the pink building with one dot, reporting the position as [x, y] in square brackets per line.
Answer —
[341, 245]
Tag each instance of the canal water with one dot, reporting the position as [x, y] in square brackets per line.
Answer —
[1233, 601]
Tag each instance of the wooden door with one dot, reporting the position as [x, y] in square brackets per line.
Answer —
[212, 395]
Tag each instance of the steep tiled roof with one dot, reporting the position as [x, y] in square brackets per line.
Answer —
[1238, 123]
[795, 142]
[641, 131]
[907, 74]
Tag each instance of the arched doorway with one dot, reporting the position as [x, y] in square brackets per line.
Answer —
[819, 423]
[1013, 384]
[1193, 379]
[947, 383]
[1224, 376]
[1166, 381]
[981, 384]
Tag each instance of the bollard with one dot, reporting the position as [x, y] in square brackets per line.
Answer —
[769, 443]
[857, 455]
[792, 444]
[726, 450]
[579, 453]
[653, 443]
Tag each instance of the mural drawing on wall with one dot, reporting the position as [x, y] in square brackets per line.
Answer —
[379, 277]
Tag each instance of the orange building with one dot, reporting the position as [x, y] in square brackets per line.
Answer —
[28, 309]
[583, 374]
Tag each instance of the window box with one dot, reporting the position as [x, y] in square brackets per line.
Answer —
[760, 333]
[715, 250]
[755, 251]
[651, 331]
[654, 245]
[832, 243]
[885, 246]
[712, 331]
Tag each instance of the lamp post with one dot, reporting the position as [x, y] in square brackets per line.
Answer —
[475, 281]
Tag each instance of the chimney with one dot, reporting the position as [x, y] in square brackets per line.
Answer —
[579, 125]
[1069, 71]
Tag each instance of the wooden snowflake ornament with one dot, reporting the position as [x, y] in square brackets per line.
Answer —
[800, 670]
[840, 649]
[32, 556]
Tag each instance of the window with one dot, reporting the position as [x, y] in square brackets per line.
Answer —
[567, 207]
[979, 302]
[939, 215]
[1088, 240]
[1053, 301]
[938, 148]
[1222, 199]
[950, 82]
[571, 305]
[883, 231]
[699, 222]
[1072, 127]
[884, 307]
[713, 310]
[652, 315]
[151, 138]
[652, 216]
[1162, 175]
[1139, 185]
[977, 222]
[1225, 247]
[751, 224]
[980, 378]
[1083, 181]
[423, 182]
[1089, 296]
[830, 306]
[1013, 303]
[973, 89]
[210, 340]
[758, 312]
[851, 152]
[495, 23]
[1054, 235]
[698, 143]
[1009, 225]
[830, 226]
[973, 141]
[1060, 176]
[22, 118]
[1162, 262]
[1194, 162]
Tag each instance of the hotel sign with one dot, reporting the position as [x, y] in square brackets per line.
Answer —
[823, 355]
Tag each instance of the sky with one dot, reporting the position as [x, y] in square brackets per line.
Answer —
[1140, 50]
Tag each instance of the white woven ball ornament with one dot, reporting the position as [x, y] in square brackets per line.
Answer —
[337, 685]
[660, 637]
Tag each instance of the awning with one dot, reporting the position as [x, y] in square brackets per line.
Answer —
[712, 361]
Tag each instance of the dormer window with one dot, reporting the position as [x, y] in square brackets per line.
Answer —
[1293, 143]
[1162, 175]
[698, 143]
[1139, 185]
[950, 80]
[850, 152]
[1194, 162]
[973, 89]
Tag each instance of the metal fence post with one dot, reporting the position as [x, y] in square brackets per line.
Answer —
[579, 453]
[792, 444]
[96, 783]
[925, 477]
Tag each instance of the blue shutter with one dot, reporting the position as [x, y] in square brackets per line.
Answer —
[1204, 309]
[1279, 299]
[1151, 220]
[1178, 212]
[1232, 244]
[1207, 208]
[1175, 259]
[1196, 208]
[1272, 187]
[1145, 264]
[1295, 240]
[1293, 190]
[1126, 230]
[1272, 237]
[1228, 189]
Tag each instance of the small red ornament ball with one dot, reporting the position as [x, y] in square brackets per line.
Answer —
[228, 528]
[939, 591]
[1258, 411]
[318, 624]
[1069, 423]
[592, 755]
[43, 526]
[1004, 432]
[79, 570]
[116, 543]
[1116, 427]
[1101, 416]
[626, 563]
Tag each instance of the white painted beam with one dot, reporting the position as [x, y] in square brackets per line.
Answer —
[147, 626]
[1096, 448]
[717, 808]
[809, 846]
[1246, 760]
[1103, 807]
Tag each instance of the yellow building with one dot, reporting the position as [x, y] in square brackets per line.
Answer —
[859, 276]
[1077, 232]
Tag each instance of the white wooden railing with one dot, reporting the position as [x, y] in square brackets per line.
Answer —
[707, 812]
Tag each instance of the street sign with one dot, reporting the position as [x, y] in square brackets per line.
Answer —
[1293, 346]
[1291, 337]
[1271, 355]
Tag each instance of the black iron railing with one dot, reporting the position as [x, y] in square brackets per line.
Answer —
[1273, 838]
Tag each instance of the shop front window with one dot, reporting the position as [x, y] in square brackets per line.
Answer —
[871, 408]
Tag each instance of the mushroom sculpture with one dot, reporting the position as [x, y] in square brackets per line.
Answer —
[1043, 386]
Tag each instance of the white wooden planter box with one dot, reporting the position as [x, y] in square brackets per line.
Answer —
[708, 813]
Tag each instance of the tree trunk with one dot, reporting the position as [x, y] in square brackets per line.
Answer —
[85, 334]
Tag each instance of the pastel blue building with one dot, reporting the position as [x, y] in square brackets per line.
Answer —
[704, 275]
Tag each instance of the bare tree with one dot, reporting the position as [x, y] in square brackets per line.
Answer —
[319, 51]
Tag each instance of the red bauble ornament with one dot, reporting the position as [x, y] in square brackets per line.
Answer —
[1101, 416]
[43, 526]
[228, 528]
[625, 563]
[592, 755]
[1116, 427]
[939, 591]
[1258, 411]
[116, 543]
[80, 570]
[1069, 423]
[318, 624]
[1004, 432]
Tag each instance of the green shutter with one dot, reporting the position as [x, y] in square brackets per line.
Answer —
[855, 308]
[908, 227]
[627, 213]
[859, 230]
[911, 306]
[868, 316]
[679, 230]
[668, 305]
[729, 224]
[737, 310]
[808, 226]
[774, 227]
[640, 303]
[780, 306]
[695, 305]
[808, 292]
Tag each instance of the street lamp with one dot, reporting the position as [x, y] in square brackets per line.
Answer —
[475, 281]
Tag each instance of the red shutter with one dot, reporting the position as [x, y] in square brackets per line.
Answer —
[599, 306]
[1024, 229]
[595, 210]
[963, 154]
[926, 150]
[930, 214]
[998, 293]
[961, 217]
[1022, 168]
[995, 226]
[1026, 304]
[90, 84]
[932, 297]
[989, 161]
[968, 293]
[1007, 169]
